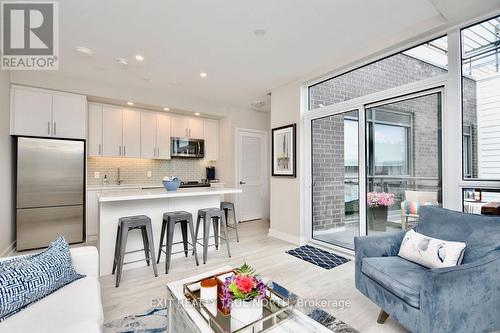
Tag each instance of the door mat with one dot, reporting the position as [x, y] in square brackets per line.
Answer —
[318, 257]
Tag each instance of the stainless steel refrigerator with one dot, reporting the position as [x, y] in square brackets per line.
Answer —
[50, 191]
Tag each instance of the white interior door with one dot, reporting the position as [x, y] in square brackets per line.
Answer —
[252, 175]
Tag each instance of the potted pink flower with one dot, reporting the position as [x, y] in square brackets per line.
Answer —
[378, 208]
[243, 293]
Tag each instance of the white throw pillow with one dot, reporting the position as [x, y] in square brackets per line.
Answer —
[431, 252]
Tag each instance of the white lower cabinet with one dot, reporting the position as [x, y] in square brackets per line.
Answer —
[92, 225]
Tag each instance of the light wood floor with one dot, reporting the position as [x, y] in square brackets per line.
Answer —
[267, 255]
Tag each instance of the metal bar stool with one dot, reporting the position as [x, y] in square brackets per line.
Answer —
[125, 224]
[211, 215]
[170, 219]
[227, 206]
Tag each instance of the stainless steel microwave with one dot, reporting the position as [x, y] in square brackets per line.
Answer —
[185, 147]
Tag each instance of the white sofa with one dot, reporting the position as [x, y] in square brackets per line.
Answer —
[74, 308]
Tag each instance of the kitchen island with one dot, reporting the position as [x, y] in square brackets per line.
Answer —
[153, 203]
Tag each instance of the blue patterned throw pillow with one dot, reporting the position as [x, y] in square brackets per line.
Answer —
[27, 279]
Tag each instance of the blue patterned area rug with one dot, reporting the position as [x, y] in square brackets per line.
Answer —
[318, 257]
[155, 321]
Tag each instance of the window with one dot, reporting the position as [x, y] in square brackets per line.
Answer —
[480, 45]
[421, 62]
[403, 160]
[335, 173]
[390, 144]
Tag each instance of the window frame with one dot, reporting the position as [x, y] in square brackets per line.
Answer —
[484, 183]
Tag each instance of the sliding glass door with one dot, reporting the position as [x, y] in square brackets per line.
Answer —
[403, 140]
[401, 164]
[335, 174]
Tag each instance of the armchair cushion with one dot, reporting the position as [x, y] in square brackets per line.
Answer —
[399, 276]
[480, 233]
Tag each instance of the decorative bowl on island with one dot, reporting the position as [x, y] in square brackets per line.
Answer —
[171, 183]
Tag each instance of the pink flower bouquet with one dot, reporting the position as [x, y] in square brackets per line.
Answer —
[245, 285]
[380, 199]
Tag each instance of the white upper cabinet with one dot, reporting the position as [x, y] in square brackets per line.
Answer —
[46, 113]
[179, 127]
[111, 131]
[118, 132]
[31, 112]
[131, 133]
[211, 137]
[94, 142]
[163, 136]
[148, 135]
[69, 116]
[195, 128]
[155, 135]
[184, 127]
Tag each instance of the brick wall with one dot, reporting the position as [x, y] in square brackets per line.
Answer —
[328, 137]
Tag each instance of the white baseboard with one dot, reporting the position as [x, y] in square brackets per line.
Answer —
[9, 251]
[285, 237]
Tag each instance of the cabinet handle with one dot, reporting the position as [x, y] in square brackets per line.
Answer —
[154, 152]
[100, 153]
[124, 153]
[55, 128]
[48, 127]
[120, 150]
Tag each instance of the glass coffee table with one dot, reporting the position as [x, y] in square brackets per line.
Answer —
[183, 317]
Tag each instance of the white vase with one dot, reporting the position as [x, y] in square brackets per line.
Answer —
[244, 313]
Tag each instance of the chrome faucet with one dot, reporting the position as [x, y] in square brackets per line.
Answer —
[119, 179]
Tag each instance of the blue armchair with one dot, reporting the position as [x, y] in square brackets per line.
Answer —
[464, 298]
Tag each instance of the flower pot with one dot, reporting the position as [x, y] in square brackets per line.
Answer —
[244, 313]
[377, 218]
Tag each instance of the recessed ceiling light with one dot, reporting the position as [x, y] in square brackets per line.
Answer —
[259, 32]
[84, 51]
[166, 109]
[139, 57]
[203, 74]
[130, 103]
[122, 61]
[197, 114]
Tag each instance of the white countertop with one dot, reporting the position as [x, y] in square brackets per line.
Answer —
[138, 194]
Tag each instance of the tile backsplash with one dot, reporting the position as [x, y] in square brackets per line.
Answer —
[135, 170]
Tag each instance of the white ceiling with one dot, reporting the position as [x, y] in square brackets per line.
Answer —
[179, 39]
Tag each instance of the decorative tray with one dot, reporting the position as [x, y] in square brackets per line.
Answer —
[276, 309]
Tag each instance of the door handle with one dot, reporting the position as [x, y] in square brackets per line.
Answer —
[242, 182]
